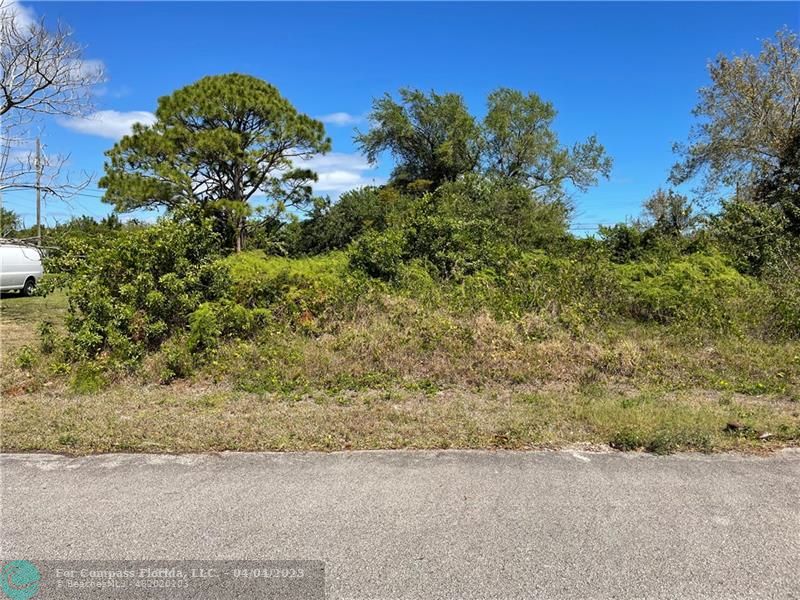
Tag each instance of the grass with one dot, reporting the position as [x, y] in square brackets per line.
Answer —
[216, 418]
[19, 317]
[396, 376]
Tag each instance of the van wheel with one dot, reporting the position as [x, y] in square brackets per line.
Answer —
[29, 287]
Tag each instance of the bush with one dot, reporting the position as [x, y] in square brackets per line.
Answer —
[450, 247]
[25, 358]
[176, 361]
[623, 242]
[380, 255]
[414, 278]
[455, 248]
[510, 212]
[783, 307]
[88, 378]
[335, 226]
[48, 339]
[214, 321]
[755, 236]
[298, 290]
[461, 228]
[129, 295]
[701, 288]
[575, 291]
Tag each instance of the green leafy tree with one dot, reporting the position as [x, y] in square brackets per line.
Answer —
[333, 225]
[754, 236]
[670, 213]
[462, 227]
[748, 116]
[10, 222]
[623, 241]
[516, 216]
[780, 189]
[217, 144]
[521, 145]
[432, 138]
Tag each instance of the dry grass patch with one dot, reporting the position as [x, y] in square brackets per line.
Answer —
[188, 418]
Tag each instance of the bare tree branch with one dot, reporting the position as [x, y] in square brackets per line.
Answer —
[42, 72]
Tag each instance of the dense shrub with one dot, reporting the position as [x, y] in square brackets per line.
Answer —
[511, 212]
[332, 226]
[213, 320]
[783, 305]
[380, 254]
[755, 236]
[623, 242]
[457, 247]
[700, 288]
[760, 240]
[632, 242]
[175, 361]
[142, 285]
[573, 290]
[301, 290]
[474, 250]
[461, 228]
[588, 288]
[577, 289]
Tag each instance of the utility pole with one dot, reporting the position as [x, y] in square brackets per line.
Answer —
[38, 192]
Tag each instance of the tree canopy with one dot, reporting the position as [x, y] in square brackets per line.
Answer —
[434, 139]
[669, 212]
[520, 144]
[748, 116]
[10, 221]
[780, 189]
[218, 143]
[431, 137]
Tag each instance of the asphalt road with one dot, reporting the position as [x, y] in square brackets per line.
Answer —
[455, 524]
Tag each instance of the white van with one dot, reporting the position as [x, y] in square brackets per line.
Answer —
[20, 268]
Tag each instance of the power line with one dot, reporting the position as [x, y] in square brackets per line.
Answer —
[69, 195]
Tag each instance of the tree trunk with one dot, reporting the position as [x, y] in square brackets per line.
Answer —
[240, 222]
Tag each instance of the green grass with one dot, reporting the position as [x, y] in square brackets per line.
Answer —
[19, 317]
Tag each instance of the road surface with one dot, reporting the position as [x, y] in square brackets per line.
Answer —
[428, 524]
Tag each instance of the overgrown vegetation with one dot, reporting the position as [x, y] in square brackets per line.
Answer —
[450, 307]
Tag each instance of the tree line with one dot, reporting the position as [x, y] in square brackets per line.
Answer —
[228, 148]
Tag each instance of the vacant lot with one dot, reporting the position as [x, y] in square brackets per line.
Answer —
[366, 388]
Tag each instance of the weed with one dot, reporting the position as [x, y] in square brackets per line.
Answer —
[88, 378]
[26, 357]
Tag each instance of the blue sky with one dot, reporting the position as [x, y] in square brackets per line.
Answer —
[628, 72]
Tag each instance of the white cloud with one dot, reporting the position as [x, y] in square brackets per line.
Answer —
[111, 92]
[91, 68]
[23, 16]
[110, 124]
[334, 161]
[339, 180]
[339, 172]
[25, 19]
[341, 119]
